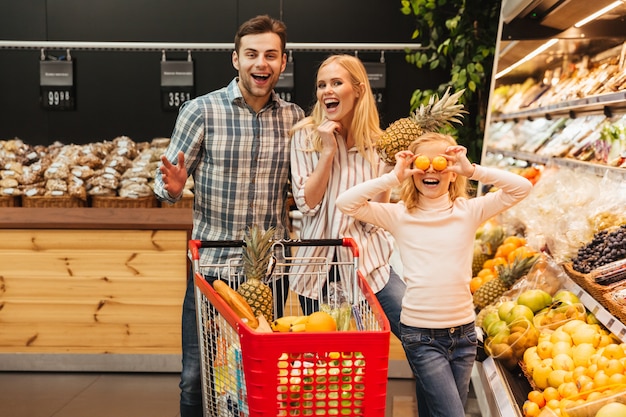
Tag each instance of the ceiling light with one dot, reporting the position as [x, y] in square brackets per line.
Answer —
[598, 13]
[527, 57]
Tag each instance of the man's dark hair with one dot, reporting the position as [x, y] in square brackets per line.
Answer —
[259, 25]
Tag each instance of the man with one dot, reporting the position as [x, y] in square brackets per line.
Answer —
[234, 143]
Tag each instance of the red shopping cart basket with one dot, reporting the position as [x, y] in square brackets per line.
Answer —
[250, 373]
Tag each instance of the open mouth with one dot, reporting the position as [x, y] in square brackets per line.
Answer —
[260, 77]
[430, 181]
[331, 104]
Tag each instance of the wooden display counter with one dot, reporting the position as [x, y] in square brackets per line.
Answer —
[92, 288]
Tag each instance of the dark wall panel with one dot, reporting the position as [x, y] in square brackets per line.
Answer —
[118, 92]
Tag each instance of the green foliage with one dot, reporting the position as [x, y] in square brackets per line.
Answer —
[457, 37]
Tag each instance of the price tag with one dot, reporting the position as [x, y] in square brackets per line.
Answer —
[377, 76]
[177, 84]
[285, 86]
[56, 81]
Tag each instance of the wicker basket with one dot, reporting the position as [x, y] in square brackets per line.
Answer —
[52, 202]
[185, 202]
[10, 201]
[616, 308]
[124, 202]
[586, 282]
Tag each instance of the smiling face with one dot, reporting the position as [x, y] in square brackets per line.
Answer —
[336, 93]
[260, 62]
[432, 183]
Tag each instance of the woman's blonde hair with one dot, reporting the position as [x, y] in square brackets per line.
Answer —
[365, 126]
[409, 192]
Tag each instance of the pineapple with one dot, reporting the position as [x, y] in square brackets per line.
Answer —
[257, 255]
[508, 274]
[399, 135]
[485, 247]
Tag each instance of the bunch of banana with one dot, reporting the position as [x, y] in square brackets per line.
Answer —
[290, 324]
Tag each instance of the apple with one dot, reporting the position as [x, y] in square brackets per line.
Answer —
[612, 410]
[582, 353]
[536, 299]
[496, 327]
[504, 308]
[586, 333]
[556, 377]
[518, 312]
[490, 318]
[566, 297]
[562, 361]
[540, 375]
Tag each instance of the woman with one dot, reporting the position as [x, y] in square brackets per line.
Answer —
[332, 150]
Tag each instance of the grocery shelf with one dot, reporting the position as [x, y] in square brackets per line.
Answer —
[596, 169]
[600, 103]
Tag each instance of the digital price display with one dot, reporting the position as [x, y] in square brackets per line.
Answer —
[285, 86]
[377, 76]
[177, 84]
[57, 89]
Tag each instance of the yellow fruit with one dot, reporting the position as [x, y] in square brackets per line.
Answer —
[515, 240]
[536, 396]
[530, 409]
[551, 394]
[422, 162]
[612, 410]
[613, 351]
[320, 321]
[439, 163]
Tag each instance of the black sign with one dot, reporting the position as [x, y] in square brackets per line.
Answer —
[377, 76]
[177, 84]
[285, 85]
[56, 81]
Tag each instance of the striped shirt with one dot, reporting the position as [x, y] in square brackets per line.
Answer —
[325, 221]
[239, 161]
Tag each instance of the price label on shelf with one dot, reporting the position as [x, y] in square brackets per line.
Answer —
[56, 83]
[377, 76]
[177, 84]
[285, 86]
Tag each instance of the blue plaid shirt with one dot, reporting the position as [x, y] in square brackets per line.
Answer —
[239, 161]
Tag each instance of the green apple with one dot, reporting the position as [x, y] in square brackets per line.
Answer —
[490, 318]
[520, 311]
[566, 296]
[504, 308]
[497, 327]
[536, 299]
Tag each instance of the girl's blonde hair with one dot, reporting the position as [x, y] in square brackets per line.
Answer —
[365, 126]
[409, 192]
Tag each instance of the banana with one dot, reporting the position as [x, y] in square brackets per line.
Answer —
[300, 320]
[283, 324]
[300, 327]
[239, 305]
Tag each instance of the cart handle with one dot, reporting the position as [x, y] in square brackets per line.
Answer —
[196, 244]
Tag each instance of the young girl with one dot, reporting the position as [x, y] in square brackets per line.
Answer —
[434, 226]
[331, 151]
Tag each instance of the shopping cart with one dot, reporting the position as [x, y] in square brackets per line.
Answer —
[249, 373]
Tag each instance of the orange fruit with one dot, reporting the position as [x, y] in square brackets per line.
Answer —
[516, 240]
[537, 397]
[520, 252]
[504, 250]
[440, 163]
[422, 162]
[320, 321]
[475, 284]
[484, 272]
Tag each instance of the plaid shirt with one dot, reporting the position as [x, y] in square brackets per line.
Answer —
[239, 161]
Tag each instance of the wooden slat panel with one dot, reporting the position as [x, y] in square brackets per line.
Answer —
[100, 311]
[101, 337]
[43, 240]
[93, 262]
[124, 289]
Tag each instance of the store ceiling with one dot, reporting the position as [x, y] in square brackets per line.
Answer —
[536, 21]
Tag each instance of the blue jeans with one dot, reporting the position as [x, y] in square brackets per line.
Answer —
[442, 361]
[190, 377]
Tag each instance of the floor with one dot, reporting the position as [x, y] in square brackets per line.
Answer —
[67, 394]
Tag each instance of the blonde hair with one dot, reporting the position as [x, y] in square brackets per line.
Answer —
[409, 192]
[365, 126]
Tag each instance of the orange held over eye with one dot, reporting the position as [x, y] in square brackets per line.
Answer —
[422, 162]
[440, 163]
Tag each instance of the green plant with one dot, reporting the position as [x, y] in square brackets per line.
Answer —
[458, 36]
